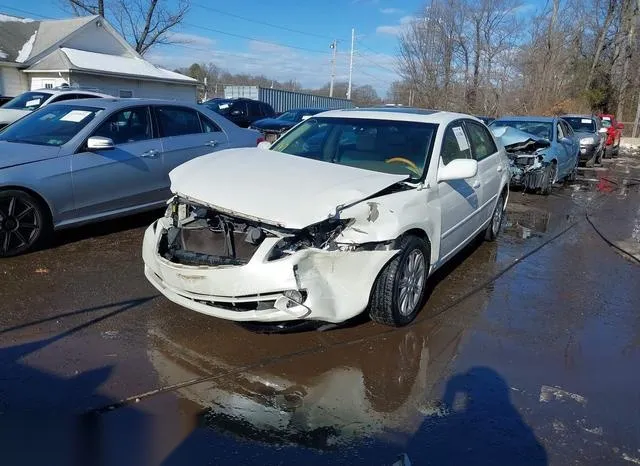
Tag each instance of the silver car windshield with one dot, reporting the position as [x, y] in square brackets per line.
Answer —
[388, 146]
[28, 101]
[53, 125]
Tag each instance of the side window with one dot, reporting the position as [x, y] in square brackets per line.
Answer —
[130, 125]
[209, 126]
[64, 97]
[239, 107]
[178, 121]
[481, 141]
[254, 109]
[568, 130]
[86, 96]
[267, 110]
[560, 132]
[455, 144]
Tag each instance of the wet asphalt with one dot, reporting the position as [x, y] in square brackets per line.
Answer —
[527, 352]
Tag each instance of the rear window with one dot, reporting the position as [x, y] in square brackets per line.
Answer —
[581, 125]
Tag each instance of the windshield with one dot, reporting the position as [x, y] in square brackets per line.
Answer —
[606, 123]
[290, 116]
[396, 147]
[542, 129]
[581, 125]
[28, 101]
[223, 107]
[53, 125]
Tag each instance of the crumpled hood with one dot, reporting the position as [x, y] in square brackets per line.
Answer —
[9, 115]
[273, 123]
[275, 188]
[515, 140]
[12, 154]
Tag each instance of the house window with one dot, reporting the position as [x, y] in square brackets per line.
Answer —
[48, 85]
[125, 94]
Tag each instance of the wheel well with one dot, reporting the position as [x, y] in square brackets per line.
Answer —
[44, 204]
[419, 233]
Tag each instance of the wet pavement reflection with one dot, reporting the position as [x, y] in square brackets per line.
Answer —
[527, 352]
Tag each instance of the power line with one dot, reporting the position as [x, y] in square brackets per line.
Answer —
[382, 67]
[264, 23]
[240, 36]
[30, 13]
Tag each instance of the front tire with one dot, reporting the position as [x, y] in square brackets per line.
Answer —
[399, 290]
[23, 223]
[549, 177]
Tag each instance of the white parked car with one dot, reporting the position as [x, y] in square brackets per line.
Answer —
[29, 101]
[350, 210]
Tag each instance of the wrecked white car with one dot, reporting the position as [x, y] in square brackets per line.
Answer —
[350, 210]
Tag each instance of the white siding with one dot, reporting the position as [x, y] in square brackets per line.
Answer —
[12, 81]
[41, 80]
[96, 39]
[141, 89]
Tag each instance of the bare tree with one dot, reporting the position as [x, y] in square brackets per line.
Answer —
[143, 23]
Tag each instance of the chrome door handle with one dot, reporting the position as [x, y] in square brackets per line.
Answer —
[211, 143]
[150, 154]
[476, 185]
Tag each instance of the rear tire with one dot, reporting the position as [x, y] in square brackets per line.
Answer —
[399, 290]
[24, 223]
[493, 230]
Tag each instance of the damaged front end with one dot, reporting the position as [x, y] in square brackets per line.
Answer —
[229, 266]
[526, 154]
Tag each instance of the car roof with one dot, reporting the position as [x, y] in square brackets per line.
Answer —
[420, 115]
[577, 115]
[115, 102]
[537, 119]
[71, 90]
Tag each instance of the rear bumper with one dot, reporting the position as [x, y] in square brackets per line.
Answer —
[337, 284]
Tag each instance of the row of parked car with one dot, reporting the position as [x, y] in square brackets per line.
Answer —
[347, 211]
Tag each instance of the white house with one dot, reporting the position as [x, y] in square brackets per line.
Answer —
[85, 52]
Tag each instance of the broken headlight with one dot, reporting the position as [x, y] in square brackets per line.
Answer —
[320, 235]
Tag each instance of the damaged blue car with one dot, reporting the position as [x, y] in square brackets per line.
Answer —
[542, 150]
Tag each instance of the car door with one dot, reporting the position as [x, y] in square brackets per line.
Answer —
[239, 114]
[490, 167]
[186, 134]
[562, 150]
[125, 177]
[459, 199]
[571, 146]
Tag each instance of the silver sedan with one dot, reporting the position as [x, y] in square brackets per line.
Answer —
[74, 163]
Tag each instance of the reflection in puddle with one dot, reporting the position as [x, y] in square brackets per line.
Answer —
[526, 224]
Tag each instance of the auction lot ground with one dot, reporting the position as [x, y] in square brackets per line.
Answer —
[527, 352]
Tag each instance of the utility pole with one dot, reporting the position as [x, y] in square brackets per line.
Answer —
[334, 47]
[353, 43]
[636, 122]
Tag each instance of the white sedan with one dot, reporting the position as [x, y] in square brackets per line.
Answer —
[351, 210]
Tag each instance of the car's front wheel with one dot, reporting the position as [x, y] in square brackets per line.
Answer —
[548, 178]
[23, 223]
[493, 230]
[400, 288]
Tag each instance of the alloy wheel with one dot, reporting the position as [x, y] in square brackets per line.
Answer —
[412, 282]
[20, 224]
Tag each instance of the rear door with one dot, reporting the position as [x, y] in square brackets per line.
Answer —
[563, 149]
[186, 134]
[127, 176]
[485, 151]
[459, 199]
[571, 150]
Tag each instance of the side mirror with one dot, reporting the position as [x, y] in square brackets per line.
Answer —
[100, 143]
[458, 169]
[264, 145]
[620, 126]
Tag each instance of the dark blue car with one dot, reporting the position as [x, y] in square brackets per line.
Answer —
[272, 128]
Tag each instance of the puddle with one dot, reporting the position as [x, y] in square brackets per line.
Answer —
[526, 222]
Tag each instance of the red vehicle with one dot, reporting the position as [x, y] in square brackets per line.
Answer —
[614, 132]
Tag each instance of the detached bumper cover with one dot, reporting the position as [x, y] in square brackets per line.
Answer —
[336, 284]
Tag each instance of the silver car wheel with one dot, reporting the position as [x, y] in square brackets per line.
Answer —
[497, 218]
[412, 282]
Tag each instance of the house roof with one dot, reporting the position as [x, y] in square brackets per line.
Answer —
[52, 32]
[81, 60]
[15, 33]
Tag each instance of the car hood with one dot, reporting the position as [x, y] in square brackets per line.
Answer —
[9, 115]
[584, 134]
[12, 154]
[273, 123]
[515, 140]
[272, 187]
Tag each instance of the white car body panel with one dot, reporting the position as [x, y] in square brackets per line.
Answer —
[294, 192]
